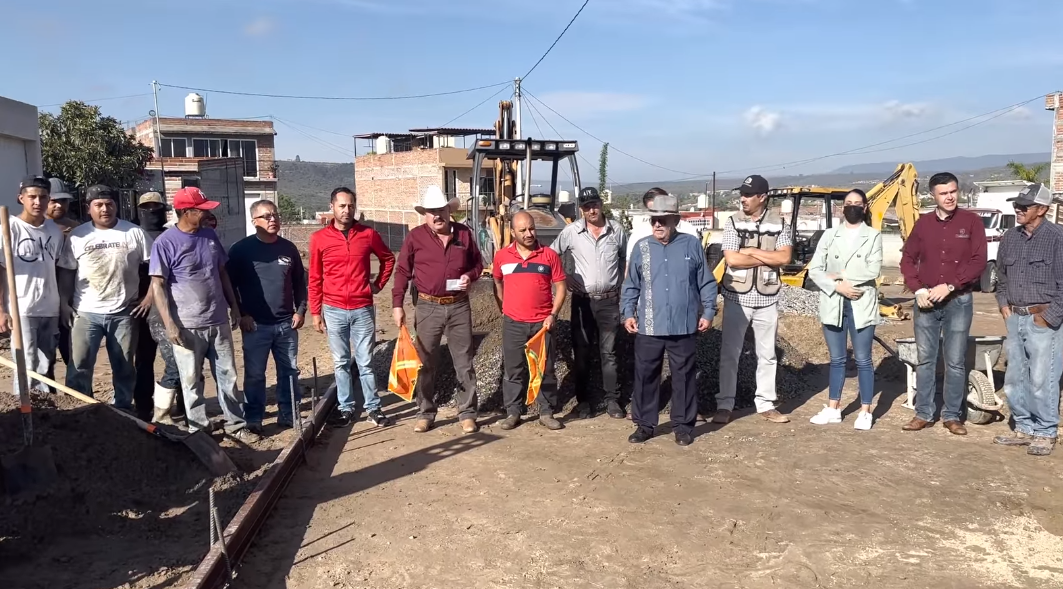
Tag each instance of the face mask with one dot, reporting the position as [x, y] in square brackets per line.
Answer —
[853, 213]
[152, 219]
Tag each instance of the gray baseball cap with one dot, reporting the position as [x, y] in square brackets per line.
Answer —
[1034, 194]
[58, 190]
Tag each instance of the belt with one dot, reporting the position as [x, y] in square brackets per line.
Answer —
[600, 296]
[443, 300]
[1028, 309]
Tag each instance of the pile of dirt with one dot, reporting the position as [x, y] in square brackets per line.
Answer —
[134, 503]
[797, 375]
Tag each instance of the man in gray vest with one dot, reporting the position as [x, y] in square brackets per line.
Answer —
[756, 242]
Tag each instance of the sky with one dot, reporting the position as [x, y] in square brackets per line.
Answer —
[687, 86]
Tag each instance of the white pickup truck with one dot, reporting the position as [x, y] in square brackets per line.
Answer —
[998, 216]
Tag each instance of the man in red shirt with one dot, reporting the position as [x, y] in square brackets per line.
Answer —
[340, 292]
[444, 260]
[530, 289]
[942, 262]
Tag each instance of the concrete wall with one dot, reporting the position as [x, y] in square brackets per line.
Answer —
[20, 147]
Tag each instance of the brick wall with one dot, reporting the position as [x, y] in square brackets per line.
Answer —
[393, 182]
[1055, 102]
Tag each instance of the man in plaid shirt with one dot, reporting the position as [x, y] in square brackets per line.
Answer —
[756, 242]
[1030, 297]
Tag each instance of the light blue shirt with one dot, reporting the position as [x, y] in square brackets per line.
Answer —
[668, 287]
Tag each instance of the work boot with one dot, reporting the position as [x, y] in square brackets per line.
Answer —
[163, 401]
[512, 420]
[422, 425]
[615, 410]
[774, 416]
[917, 423]
[583, 411]
[547, 419]
[1015, 439]
[469, 426]
[955, 427]
[722, 416]
[1041, 446]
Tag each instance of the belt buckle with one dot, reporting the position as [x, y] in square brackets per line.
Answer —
[1021, 311]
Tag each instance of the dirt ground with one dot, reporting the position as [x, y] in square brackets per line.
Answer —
[750, 504]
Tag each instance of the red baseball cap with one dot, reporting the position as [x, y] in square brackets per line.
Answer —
[191, 197]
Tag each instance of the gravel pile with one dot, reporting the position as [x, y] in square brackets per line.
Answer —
[796, 376]
[798, 301]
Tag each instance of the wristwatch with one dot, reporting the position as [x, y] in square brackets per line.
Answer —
[951, 288]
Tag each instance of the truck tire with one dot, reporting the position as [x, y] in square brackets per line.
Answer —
[989, 277]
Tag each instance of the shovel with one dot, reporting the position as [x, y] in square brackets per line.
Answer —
[31, 469]
[200, 443]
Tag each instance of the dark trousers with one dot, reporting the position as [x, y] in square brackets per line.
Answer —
[144, 363]
[515, 363]
[64, 344]
[595, 321]
[645, 400]
[431, 322]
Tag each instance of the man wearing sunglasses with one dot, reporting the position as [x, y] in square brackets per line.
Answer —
[1030, 296]
[270, 285]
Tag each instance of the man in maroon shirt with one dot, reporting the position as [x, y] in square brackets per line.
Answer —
[443, 259]
[943, 259]
[530, 290]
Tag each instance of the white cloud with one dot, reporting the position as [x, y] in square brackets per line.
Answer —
[261, 26]
[575, 103]
[762, 120]
[896, 109]
[1021, 113]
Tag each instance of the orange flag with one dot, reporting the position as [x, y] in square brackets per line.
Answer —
[405, 366]
[535, 350]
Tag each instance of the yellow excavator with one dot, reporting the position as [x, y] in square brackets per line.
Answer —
[900, 190]
[488, 213]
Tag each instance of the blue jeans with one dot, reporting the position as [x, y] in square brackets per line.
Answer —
[1031, 383]
[39, 338]
[950, 321]
[120, 333]
[283, 341]
[357, 327]
[862, 339]
[215, 345]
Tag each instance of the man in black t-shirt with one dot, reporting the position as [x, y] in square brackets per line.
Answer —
[267, 275]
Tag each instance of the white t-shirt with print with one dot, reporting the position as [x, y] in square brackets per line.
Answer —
[37, 251]
[108, 263]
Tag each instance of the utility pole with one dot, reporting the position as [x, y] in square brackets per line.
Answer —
[158, 136]
[714, 200]
[517, 136]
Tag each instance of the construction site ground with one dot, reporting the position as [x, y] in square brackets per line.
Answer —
[750, 504]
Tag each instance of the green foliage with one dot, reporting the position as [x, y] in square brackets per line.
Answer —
[309, 183]
[607, 212]
[625, 221]
[288, 208]
[83, 147]
[603, 165]
[1033, 173]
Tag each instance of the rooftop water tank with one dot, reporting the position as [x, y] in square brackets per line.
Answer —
[194, 106]
[383, 145]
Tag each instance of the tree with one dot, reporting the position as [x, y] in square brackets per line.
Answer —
[83, 147]
[297, 158]
[288, 209]
[603, 165]
[1028, 173]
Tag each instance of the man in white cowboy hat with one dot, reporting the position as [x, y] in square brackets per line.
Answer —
[442, 258]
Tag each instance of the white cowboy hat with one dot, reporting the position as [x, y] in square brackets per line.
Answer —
[433, 198]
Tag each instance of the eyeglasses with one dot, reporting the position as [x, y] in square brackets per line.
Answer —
[269, 216]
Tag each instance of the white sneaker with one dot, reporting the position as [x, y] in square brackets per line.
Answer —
[863, 421]
[827, 416]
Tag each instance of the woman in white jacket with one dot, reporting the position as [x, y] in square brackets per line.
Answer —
[845, 268]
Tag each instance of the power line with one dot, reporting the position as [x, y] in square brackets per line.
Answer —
[549, 49]
[478, 105]
[97, 99]
[611, 146]
[318, 140]
[297, 97]
[568, 173]
[559, 136]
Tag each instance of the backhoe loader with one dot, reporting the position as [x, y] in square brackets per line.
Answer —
[505, 151]
[900, 190]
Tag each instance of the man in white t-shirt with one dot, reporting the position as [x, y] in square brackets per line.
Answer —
[646, 229]
[109, 254]
[38, 249]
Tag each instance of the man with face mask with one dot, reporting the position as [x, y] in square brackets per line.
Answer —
[58, 205]
[442, 258]
[756, 243]
[1030, 297]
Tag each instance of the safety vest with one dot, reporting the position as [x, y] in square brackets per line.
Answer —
[761, 234]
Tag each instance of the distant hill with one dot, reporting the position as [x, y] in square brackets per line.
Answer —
[952, 164]
[310, 183]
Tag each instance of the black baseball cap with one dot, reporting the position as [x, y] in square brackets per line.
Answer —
[35, 181]
[588, 195]
[100, 191]
[753, 185]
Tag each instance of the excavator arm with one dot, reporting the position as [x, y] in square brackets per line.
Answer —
[901, 191]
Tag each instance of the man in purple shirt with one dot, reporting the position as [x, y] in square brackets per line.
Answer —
[190, 287]
[943, 260]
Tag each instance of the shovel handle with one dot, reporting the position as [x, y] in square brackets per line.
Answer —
[17, 345]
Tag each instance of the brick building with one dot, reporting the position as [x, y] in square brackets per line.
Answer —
[248, 143]
[398, 167]
[1054, 102]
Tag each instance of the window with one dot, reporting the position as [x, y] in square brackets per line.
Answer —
[250, 155]
[245, 149]
[206, 148]
[173, 147]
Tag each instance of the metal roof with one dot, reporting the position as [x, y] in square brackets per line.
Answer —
[375, 135]
[453, 131]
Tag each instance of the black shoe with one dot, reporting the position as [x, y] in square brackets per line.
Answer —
[510, 422]
[615, 410]
[549, 421]
[343, 418]
[684, 439]
[640, 436]
[378, 418]
[583, 411]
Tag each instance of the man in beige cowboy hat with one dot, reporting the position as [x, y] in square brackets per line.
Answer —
[442, 258]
